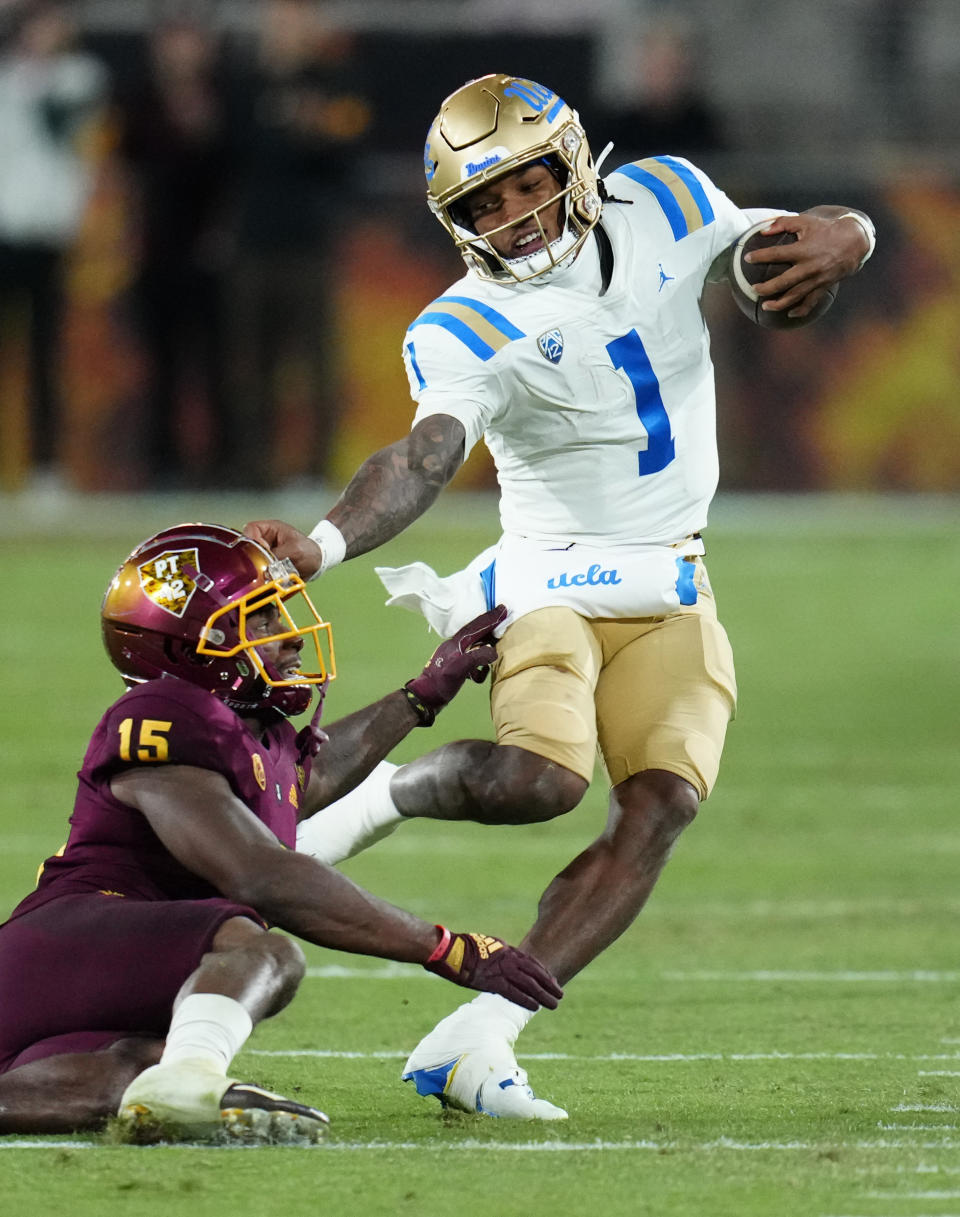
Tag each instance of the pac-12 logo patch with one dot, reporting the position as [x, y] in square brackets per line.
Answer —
[163, 579]
[551, 345]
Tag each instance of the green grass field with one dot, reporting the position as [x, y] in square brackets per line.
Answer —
[780, 1031]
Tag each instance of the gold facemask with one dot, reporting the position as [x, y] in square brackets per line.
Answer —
[285, 590]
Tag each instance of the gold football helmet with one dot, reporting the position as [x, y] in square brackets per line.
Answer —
[491, 127]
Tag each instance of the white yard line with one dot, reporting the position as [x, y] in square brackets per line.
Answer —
[930, 1195]
[402, 971]
[650, 1058]
[917, 1127]
[841, 977]
[535, 1147]
[389, 971]
[924, 1107]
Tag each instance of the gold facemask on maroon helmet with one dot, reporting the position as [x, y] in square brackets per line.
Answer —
[179, 606]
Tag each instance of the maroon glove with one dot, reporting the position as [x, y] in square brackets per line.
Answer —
[478, 961]
[469, 653]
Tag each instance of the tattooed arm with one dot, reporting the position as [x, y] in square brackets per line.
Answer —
[390, 490]
[396, 485]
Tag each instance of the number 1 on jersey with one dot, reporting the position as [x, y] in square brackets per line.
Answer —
[629, 354]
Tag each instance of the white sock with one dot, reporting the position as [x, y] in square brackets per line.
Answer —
[207, 1027]
[361, 818]
[491, 1012]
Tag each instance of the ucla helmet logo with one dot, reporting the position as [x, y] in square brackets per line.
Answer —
[429, 164]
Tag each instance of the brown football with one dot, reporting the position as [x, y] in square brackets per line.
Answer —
[744, 275]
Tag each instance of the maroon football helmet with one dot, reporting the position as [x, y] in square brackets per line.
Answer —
[178, 606]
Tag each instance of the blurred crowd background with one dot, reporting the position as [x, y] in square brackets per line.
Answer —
[213, 230]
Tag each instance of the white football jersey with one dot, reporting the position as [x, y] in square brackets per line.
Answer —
[599, 411]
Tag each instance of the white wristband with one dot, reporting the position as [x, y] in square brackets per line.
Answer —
[333, 547]
[868, 231]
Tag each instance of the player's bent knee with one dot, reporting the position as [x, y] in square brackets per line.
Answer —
[679, 800]
[237, 933]
[282, 957]
[529, 788]
[660, 804]
[289, 959]
[681, 810]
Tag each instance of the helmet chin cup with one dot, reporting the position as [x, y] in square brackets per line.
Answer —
[554, 255]
[494, 126]
[179, 607]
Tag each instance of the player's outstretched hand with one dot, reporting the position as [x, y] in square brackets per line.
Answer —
[285, 541]
[478, 961]
[467, 655]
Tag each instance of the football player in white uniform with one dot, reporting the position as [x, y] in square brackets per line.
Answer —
[576, 347]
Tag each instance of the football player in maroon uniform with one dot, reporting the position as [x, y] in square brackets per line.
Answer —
[138, 967]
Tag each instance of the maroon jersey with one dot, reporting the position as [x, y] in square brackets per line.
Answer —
[111, 847]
